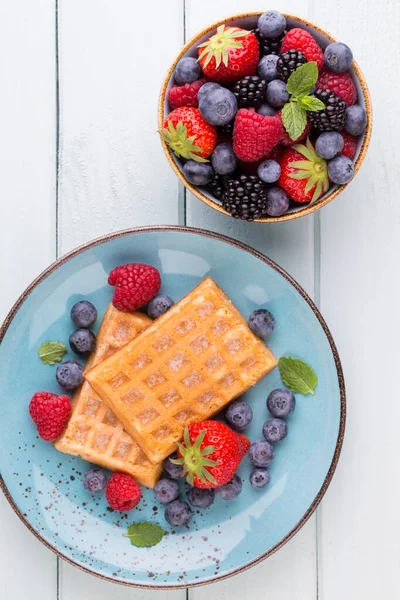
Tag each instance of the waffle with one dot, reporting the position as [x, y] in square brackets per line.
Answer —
[93, 431]
[183, 369]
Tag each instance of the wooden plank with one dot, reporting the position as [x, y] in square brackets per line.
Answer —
[113, 175]
[360, 245]
[27, 155]
[292, 571]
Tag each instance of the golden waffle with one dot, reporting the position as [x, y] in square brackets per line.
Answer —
[93, 431]
[184, 368]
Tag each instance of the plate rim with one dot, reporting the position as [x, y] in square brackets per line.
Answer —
[342, 421]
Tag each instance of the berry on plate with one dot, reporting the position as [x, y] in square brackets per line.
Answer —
[350, 145]
[230, 490]
[259, 478]
[187, 70]
[50, 413]
[82, 341]
[254, 135]
[223, 159]
[94, 481]
[218, 105]
[229, 55]
[123, 492]
[238, 415]
[188, 134]
[173, 470]
[329, 144]
[333, 116]
[262, 322]
[185, 95]
[201, 498]
[166, 490]
[159, 305]
[338, 57]
[304, 174]
[340, 84]
[211, 453]
[245, 197]
[198, 173]
[340, 170]
[356, 119]
[178, 513]
[83, 314]
[275, 430]
[261, 453]
[277, 202]
[135, 285]
[281, 403]
[271, 24]
[69, 375]
[299, 39]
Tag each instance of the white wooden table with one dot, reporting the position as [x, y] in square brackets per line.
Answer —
[80, 157]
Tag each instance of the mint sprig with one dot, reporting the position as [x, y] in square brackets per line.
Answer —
[299, 86]
[145, 534]
[297, 375]
[51, 353]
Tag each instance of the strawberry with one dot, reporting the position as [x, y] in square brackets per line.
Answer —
[188, 134]
[340, 84]
[50, 413]
[350, 145]
[229, 55]
[299, 39]
[185, 95]
[210, 453]
[255, 135]
[304, 174]
[286, 140]
[135, 285]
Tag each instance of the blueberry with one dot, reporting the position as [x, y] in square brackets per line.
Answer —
[261, 453]
[230, 490]
[218, 105]
[82, 341]
[259, 478]
[94, 481]
[261, 322]
[271, 24]
[277, 201]
[206, 87]
[275, 430]
[166, 490]
[266, 110]
[201, 498]
[174, 471]
[69, 374]
[329, 144]
[277, 95]
[338, 57]
[159, 305]
[267, 67]
[198, 173]
[178, 513]
[340, 170]
[356, 119]
[187, 70]
[281, 403]
[223, 159]
[83, 314]
[238, 415]
[269, 171]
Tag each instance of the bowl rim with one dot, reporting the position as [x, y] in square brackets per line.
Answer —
[308, 209]
[342, 421]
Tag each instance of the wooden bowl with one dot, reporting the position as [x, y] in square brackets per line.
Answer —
[248, 21]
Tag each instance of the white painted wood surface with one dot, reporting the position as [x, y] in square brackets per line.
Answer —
[112, 175]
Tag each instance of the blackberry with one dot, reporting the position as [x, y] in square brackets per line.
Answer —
[250, 91]
[288, 62]
[245, 197]
[227, 129]
[269, 45]
[333, 116]
[217, 186]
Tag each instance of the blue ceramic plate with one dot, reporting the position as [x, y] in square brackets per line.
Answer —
[44, 486]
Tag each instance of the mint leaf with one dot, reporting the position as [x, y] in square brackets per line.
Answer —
[145, 534]
[297, 375]
[302, 81]
[52, 352]
[294, 119]
[310, 103]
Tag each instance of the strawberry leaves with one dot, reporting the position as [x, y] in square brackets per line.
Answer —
[299, 86]
[313, 168]
[194, 458]
[219, 44]
[182, 145]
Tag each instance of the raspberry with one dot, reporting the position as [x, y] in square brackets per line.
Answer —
[123, 492]
[350, 144]
[340, 84]
[135, 285]
[185, 95]
[50, 413]
[255, 135]
[299, 39]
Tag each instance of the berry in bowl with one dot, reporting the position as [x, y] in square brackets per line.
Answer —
[265, 116]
